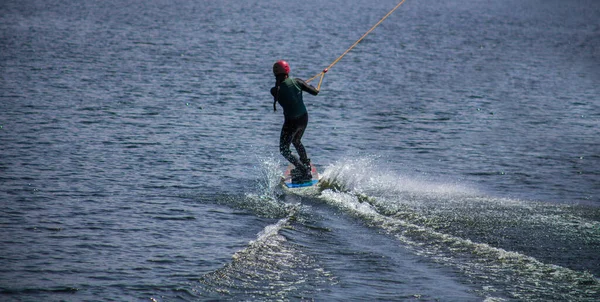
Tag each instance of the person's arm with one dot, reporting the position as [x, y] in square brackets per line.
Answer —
[274, 94]
[307, 87]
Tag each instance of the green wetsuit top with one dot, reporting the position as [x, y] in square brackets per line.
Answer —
[289, 96]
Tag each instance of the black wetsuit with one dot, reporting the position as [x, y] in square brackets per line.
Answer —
[288, 93]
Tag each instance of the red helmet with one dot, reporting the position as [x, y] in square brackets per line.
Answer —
[281, 67]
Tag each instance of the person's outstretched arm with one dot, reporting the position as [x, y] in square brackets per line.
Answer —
[307, 87]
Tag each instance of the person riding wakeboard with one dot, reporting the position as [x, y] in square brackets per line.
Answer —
[288, 93]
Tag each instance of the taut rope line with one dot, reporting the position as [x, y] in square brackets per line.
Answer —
[322, 73]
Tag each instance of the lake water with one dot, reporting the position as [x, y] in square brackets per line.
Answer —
[458, 145]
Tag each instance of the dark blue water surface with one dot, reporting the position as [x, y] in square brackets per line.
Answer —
[458, 145]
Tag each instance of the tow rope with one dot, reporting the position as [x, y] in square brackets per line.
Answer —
[322, 73]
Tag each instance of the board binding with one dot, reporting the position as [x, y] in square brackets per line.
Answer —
[287, 178]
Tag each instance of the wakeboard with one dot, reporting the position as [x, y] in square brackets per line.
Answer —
[290, 183]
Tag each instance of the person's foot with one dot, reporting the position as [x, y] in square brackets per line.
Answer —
[308, 168]
[306, 162]
[301, 174]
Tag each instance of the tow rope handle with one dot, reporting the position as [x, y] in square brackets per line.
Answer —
[322, 76]
[322, 73]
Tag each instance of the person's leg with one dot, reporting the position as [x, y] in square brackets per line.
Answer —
[299, 146]
[301, 124]
[305, 169]
[285, 140]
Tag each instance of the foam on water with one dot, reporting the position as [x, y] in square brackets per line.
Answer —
[269, 268]
[269, 173]
[365, 174]
[490, 240]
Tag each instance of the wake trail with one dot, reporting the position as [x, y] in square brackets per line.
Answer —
[495, 241]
